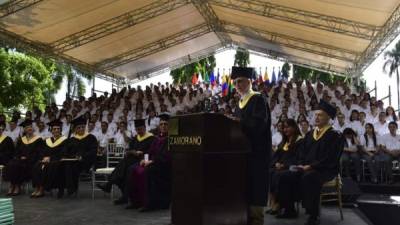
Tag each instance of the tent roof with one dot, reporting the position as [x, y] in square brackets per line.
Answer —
[128, 39]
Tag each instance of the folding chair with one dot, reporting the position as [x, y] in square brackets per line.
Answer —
[334, 193]
[114, 153]
[1, 177]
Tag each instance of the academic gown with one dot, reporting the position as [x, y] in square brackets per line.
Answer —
[19, 170]
[287, 158]
[323, 156]
[255, 120]
[151, 185]
[84, 148]
[7, 149]
[119, 175]
[48, 174]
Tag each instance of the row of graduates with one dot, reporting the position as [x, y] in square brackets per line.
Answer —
[54, 163]
[57, 162]
[291, 181]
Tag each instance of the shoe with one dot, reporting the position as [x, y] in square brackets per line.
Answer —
[104, 187]
[39, 195]
[120, 201]
[286, 214]
[9, 194]
[313, 221]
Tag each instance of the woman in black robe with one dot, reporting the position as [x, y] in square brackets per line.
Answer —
[284, 157]
[79, 155]
[6, 146]
[46, 171]
[27, 153]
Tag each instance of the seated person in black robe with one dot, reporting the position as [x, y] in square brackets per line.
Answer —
[284, 157]
[46, 171]
[318, 163]
[27, 153]
[150, 180]
[138, 146]
[79, 155]
[6, 146]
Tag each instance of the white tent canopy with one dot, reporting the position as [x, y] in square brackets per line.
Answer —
[127, 39]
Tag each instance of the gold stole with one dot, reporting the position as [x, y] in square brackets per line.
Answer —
[321, 132]
[52, 144]
[80, 137]
[145, 136]
[2, 137]
[27, 142]
[286, 145]
[243, 102]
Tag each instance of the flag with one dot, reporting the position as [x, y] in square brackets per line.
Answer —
[206, 78]
[218, 78]
[212, 79]
[199, 78]
[195, 79]
[273, 76]
[279, 74]
[266, 77]
[225, 87]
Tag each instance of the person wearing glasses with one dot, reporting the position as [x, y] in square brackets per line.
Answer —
[255, 120]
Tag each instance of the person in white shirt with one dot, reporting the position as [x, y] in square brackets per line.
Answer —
[152, 121]
[373, 115]
[390, 114]
[304, 127]
[122, 136]
[340, 123]
[381, 127]
[390, 150]
[14, 131]
[103, 137]
[351, 154]
[369, 144]
[355, 123]
[42, 131]
[277, 136]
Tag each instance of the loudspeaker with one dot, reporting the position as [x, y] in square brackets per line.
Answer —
[380, 209]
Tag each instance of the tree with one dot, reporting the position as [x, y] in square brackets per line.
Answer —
[285, 70]
[184, 74]
[25, 81]
[242, 57]
[305, 73]
[391, 66]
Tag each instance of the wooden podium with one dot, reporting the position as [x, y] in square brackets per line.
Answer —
[208, 170]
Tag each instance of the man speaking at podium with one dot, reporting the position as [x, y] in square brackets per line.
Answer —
[255, 121]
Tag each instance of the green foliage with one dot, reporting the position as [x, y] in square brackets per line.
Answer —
[242, 57]
[184, 74]
[305, 73]
[392, 62]
[285, 70]
[24, 79]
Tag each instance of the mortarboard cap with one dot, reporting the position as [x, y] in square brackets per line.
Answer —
[55, 123]
[26, 123]
[140, 123]
[164, 117]
[79, 121]
[246, 72]
[328, 108]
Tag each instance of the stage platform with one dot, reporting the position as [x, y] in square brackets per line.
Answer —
[82, 210]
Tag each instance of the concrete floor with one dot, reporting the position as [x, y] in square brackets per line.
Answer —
[85, 211]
